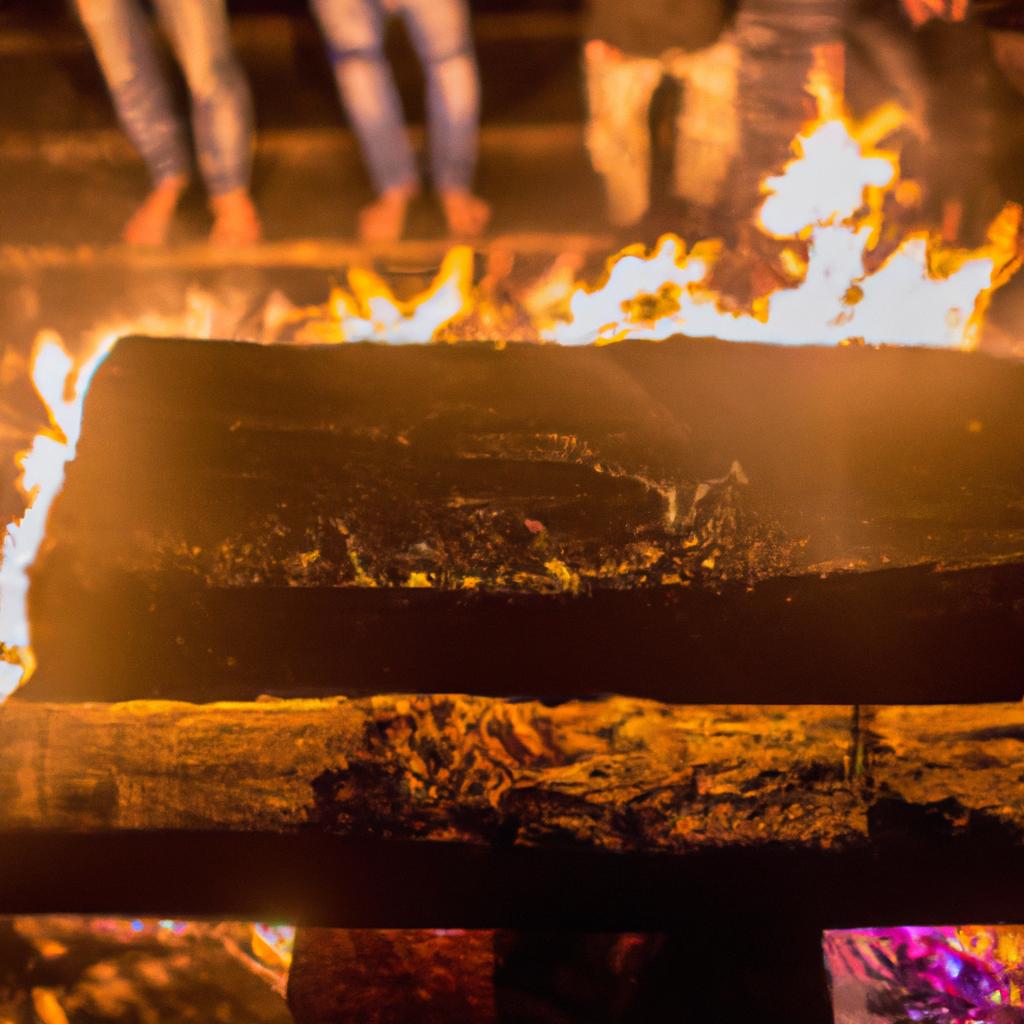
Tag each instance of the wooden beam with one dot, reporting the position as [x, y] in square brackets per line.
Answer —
[690, 521]
[300, 253]
[615, 774]
[465, 812]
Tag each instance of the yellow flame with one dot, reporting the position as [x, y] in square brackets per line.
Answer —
[273, 944]
[62, 386]
[824, 215]
[61, 382]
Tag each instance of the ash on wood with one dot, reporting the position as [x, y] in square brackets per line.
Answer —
[689, 521]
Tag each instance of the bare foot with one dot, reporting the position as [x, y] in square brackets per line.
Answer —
[467, 215]
[235, 220]
[150, 223]
[384, 219]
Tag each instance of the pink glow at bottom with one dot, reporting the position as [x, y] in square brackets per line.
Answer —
[940, 975]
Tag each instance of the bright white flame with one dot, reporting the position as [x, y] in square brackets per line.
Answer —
[826, 182]
[376, 315]
[817, 198]
[62, 387]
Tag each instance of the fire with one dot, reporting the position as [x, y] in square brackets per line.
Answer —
[62, 387]
[831, 198]
[369, 311]
[61, 382]
[821, 226]
[823, 219]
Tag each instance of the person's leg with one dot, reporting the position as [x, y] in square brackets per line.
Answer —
[440, 33]
[221, 113]
[707, 131]
[619, 93]
[354, 33]
[121, 36]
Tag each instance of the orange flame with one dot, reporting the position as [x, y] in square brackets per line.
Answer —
[824, 216]
[61, 382]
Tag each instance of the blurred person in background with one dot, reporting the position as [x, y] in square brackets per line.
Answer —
[970, 42]
[630, 49]
[1004, 20]
[221, 111]
[354, 31]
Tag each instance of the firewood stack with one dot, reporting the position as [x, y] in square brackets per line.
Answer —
[646, 638]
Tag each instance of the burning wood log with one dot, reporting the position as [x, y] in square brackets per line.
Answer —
[444, 811]
[538, 520]
[449, 768]
[617, 774]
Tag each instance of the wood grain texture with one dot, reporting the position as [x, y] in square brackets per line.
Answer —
[618, 774]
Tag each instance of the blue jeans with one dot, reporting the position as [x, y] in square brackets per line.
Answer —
[439, 29]
[221, 104]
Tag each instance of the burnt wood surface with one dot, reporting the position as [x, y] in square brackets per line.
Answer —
[742, 830]
[691, 521]
[618, 775]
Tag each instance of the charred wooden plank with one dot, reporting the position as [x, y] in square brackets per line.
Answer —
[616, 774]
[466, 812]
[689, 521]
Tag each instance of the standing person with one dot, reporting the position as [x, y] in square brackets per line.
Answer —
[630, 49]
[221, 111]
[439, 29]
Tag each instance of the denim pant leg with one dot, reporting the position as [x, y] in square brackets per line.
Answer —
[354, 33]
[440, 32]
[121, 36]
[221, 104]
